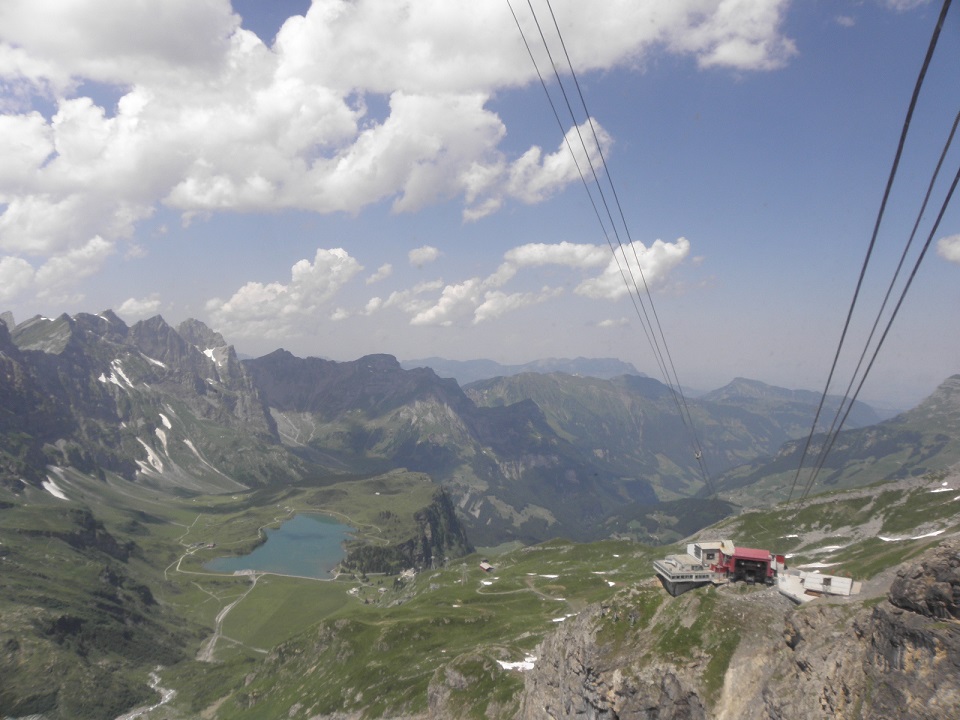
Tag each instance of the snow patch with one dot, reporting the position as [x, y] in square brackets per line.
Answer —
[551, 577]
[152, 361]
[166, 421]
[817, 565]
[916, 537]
[786, 537]
[941, 489]
[209, 352]
[116, 369]
[152, 458]
[51, 487]
[163, 440]
[520, 665]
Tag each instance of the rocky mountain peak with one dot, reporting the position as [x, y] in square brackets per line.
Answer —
[943, 404]
[199, 334]
[6, 319]
[44, 334]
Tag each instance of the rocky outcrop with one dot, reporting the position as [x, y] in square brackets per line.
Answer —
[439, 536]
[576, 678]
[897, 656]
[931, 587]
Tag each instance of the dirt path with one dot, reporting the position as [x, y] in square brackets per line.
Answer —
[205, 654]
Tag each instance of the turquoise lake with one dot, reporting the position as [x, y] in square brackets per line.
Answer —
[305, 545]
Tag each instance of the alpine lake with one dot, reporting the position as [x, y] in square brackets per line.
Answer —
[305, 546]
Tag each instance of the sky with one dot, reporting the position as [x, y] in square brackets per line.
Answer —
[384, 176]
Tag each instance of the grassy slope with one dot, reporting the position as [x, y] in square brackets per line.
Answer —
[377, 647]
[69, 605]
[380, 658]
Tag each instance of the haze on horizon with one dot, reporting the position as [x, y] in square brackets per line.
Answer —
[344, 178]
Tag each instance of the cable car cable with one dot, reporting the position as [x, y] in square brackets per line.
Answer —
[873, 238]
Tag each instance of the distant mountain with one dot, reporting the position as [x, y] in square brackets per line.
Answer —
[526, 457]
[468, 371]
[633, 423]
[790, 408]
[513, 476]
[916, 442]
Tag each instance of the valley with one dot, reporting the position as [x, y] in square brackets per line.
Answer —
[503, 534]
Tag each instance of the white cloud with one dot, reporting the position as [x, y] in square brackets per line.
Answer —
[455, 301]
[112, 41]
[16, 275]
[383, 272]
[423, 255]
[64, 270]
[373, 304]
[949, 248]
[496, 303]
[613, 323]
[137, 309]
[482, 298]
[411, 300]
[904, 5]
[276, 310]
[565, 253]
[654, 264]
[211, 119]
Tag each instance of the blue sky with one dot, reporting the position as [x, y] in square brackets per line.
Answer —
[346, 178]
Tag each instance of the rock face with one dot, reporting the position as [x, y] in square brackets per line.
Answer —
[143, 402]
[896, 658]
[577, 678]
[439, 536]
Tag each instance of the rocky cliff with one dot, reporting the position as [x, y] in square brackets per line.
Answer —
[439, 536]
[734, 654]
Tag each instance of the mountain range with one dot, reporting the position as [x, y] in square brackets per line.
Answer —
[468, 371]
[132, 455]
[525, 457]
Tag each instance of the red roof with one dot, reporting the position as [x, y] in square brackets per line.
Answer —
[751, 554]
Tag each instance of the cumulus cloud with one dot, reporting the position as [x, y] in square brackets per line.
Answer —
[16, 275]
[423, 255]
[275, 310]
[373, 304]
[77, 263]
[211, 119]
[455, 301]
[139, 308]
[482, 299]
[632, 265]
[496, 303]
[383, 272]
[949, 248]
[113, 42]
[411, 300]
